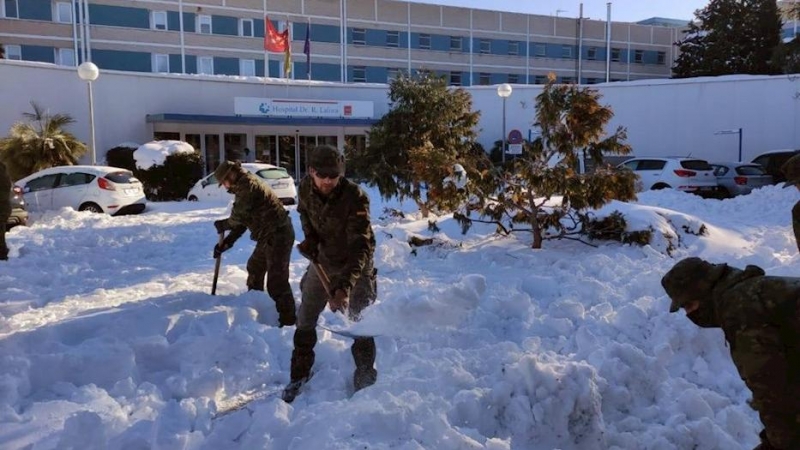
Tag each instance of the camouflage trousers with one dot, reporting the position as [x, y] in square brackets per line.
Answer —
[270, 260]
[315, 298]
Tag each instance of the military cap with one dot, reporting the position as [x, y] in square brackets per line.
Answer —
[326, 159]
[689, 279]
[225, 168]
[791, 169]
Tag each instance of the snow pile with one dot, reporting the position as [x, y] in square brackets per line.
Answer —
[154, 153]
[109, 337]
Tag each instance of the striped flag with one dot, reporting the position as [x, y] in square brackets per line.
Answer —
[287, 54]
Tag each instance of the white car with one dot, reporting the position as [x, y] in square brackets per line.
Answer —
[100, 189]
[275, 177]
[684, 174]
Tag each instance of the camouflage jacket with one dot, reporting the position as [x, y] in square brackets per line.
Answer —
[339, 226]
[760, 316]
[5, 192]
[257, 208]
[796, 223]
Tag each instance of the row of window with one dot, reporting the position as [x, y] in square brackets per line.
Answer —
[204, 24]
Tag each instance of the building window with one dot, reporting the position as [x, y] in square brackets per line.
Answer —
[484, 79]
[160, 63]
[539, 50]
[9, 9]
[393, 39]
[455, 43]
[246, 27]
[615, 54]
[540, 79]
[63, 13]
[591, 81]
[661, 58]
[359, 74]
[205, 65]
[591, 53]
[513, 78]
[14, 52]
[566, 51]
[425, 41]
[158, 20]
[638, 56]
[204, 24]
[485, 46]
[247, 67]
[65, 57]
[392, 74]
[513, 48]
[455, 78]
[359, 36]
[567, 80]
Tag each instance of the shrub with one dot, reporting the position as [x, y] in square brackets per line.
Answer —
[173, 179]
[121, 157]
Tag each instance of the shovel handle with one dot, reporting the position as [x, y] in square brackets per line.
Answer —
[216, 266]
[324, 278]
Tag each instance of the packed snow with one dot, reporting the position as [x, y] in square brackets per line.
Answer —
[154, 153]
[110, 339]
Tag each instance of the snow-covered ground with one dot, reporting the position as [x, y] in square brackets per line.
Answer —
[110, 339]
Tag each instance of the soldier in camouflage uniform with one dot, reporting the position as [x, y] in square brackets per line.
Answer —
[760, 316]
[334, 213]
[791, 169]
[5, 209]
[257, 208]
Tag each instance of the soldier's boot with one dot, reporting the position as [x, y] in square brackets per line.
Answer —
[302, 362]
[287, 316]
[363, 350]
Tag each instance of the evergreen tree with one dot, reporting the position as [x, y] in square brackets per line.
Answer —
[39, 143]
[787, 55]
[541, 189]
[730, 37]
[413, 148]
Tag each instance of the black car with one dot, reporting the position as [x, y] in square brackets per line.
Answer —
[772, 162]
[19, 215]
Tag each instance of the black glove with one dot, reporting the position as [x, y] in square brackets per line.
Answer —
[219, 249]
[221, 225]
[308, 249]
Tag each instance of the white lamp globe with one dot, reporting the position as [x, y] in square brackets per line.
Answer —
[504, 90]
[88, 71]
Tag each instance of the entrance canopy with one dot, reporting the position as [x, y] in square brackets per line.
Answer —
[258, 120]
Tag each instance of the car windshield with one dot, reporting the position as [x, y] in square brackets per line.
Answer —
[695, 164]
[273, 174]
[751, 170]
[123, 176]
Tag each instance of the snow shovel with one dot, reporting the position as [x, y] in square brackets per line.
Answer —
[326, 283]
[216, 266]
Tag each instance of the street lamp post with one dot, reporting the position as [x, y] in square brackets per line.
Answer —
[89, 72]
[504, 91]
[736, 131]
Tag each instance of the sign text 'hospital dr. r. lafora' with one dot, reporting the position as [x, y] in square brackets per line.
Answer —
[251, 106]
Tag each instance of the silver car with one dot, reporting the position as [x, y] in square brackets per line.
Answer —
[738, 178]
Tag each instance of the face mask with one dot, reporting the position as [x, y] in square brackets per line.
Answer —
[703, 317]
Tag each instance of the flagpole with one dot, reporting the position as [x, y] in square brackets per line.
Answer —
[266, 53]
[307, 49]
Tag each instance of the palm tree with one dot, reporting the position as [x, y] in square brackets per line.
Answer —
[39, 143]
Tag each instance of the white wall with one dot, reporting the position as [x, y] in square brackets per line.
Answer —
[663, 117]
[676, 117]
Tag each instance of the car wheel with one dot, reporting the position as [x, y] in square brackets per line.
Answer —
[192, 198]
[91, 207]
[660, 186]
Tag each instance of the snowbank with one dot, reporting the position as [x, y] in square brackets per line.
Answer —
[154, 153]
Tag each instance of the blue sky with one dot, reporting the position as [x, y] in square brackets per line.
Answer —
[621, 10]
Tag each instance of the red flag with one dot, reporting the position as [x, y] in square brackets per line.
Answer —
[273, 40]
